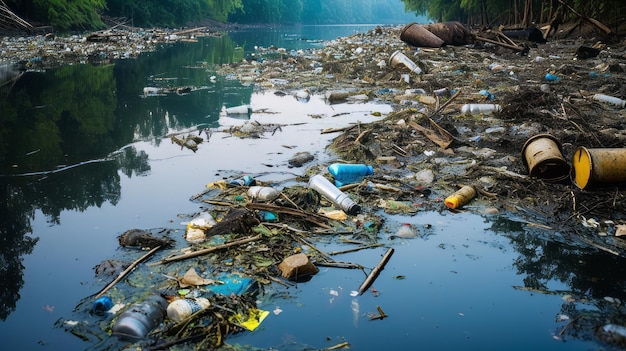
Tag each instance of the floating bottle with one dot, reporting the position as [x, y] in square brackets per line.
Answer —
[139, 319]
[461, 197]
[180, 309]
[262, 193]
[246, 180]
[102, 305]
[346, 173]
[332, 193]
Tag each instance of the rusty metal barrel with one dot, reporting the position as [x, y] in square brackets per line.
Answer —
[416, 35]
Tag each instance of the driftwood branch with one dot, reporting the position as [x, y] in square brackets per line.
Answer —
[363, 247]
[208, 250]
[314, 218]
[593, 21]
[521, 49]
[374, 273]
[127, 270]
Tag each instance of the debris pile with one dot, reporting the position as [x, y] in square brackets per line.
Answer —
[445, 146]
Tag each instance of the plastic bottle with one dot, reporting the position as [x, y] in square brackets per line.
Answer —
[102, 305]
[262, 193]
[346, 173]
[246, 180]
[180, 309]
[476, 109]
[610, 100]
[332, 193]
[552, 77]
[398, 58]
[461, 197]
[139, 319]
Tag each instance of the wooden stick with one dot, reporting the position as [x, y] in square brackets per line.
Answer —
[516, 48]
[206, 251]
[338, 346]
[336, 264]
[381, 314]
[355, 249]
[314, 218]
[597, 23]
[374, 273]
[126, 271]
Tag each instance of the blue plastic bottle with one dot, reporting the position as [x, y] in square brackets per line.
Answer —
[102, 305]
[346, 173]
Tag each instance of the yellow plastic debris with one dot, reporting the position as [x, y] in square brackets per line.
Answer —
[253, 319]
[219, 184]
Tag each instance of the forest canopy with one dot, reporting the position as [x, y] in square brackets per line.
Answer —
[64, 15]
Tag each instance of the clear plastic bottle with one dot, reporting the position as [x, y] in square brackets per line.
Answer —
[332, 193]
[180, 309]
[139, 319]
[346, 173]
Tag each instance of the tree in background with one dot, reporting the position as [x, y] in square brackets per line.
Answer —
[61, 14]
[268, 11]
[516, 12]
[321, 11]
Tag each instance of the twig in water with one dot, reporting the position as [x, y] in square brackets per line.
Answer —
[127, 270]
[374, 273]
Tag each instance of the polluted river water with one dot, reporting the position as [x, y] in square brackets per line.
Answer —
[466, 281]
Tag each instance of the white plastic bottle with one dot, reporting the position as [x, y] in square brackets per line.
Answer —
[477, 109]
[610, 100]
[262, 193]
[180, 309]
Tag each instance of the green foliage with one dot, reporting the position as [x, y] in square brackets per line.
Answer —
[464, 10]
[268, 11]
[70, 14]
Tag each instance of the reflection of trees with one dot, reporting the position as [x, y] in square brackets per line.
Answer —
[548, 257]
[61, 126]
[178, 65]
[15, 215]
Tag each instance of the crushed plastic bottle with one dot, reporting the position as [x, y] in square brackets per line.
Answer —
[245, 180]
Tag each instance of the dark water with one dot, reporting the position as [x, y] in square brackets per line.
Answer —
[86, 156]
